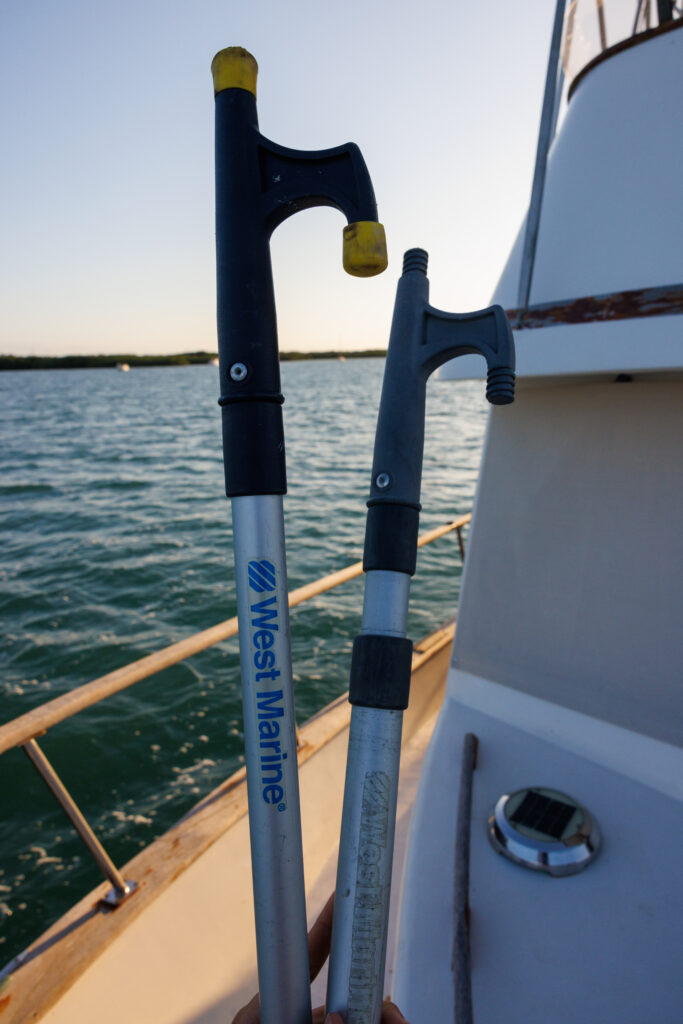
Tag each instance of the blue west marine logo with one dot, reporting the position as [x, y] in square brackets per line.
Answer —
[265, 676]
[261, 575]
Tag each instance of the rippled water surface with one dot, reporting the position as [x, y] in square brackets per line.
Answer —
[117, 540]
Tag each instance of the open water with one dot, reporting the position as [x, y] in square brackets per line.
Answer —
[116, 541]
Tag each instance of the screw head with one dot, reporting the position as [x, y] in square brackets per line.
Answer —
[238, 372]
[382, 480]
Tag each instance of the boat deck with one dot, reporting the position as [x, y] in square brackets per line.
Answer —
[181, 950]
[602, 945]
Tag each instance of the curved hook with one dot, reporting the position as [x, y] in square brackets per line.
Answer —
[258, 185]
[422, 339]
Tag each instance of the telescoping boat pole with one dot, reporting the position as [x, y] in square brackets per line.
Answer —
[422, 338]
[258, 185]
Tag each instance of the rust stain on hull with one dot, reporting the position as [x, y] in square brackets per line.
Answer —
[638, 302]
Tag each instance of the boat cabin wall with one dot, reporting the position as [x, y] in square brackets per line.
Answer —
[572, 588]
[612, 206]
[610, 218]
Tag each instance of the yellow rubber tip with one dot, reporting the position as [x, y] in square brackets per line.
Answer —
[234, 68]
[365, 249]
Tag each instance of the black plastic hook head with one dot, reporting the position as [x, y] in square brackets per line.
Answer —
[500, 386]
[415, 259]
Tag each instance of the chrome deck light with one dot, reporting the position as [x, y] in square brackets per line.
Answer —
[544, 830]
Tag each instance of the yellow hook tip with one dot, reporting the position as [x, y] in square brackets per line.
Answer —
[365, 249]
[234, 68]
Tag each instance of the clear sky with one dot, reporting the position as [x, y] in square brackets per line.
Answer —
[106, 176]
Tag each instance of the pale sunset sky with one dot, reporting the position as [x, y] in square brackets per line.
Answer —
[107, 183]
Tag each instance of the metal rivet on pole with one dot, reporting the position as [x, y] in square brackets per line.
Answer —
[238, 372]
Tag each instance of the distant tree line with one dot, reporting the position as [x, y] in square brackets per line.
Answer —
[86, 362]
[367, 353]
[184, 359]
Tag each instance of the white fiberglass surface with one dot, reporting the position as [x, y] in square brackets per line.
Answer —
[601, 347]
[572, 588]
[602, 945]
[592, 27]
[611, 213]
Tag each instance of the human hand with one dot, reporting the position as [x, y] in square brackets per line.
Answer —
[319, 939]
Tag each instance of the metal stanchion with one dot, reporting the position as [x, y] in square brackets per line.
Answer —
[121, 888]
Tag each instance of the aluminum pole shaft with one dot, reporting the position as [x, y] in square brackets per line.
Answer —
[271, 760]
[359, 935]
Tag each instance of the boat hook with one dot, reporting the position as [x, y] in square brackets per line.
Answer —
[258, 185]
[422, 338]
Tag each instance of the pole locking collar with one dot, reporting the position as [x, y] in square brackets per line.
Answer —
[380, 671]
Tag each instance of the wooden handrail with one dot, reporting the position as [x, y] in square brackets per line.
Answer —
[19, 730]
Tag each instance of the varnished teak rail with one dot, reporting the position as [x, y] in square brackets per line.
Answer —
[18, 731]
